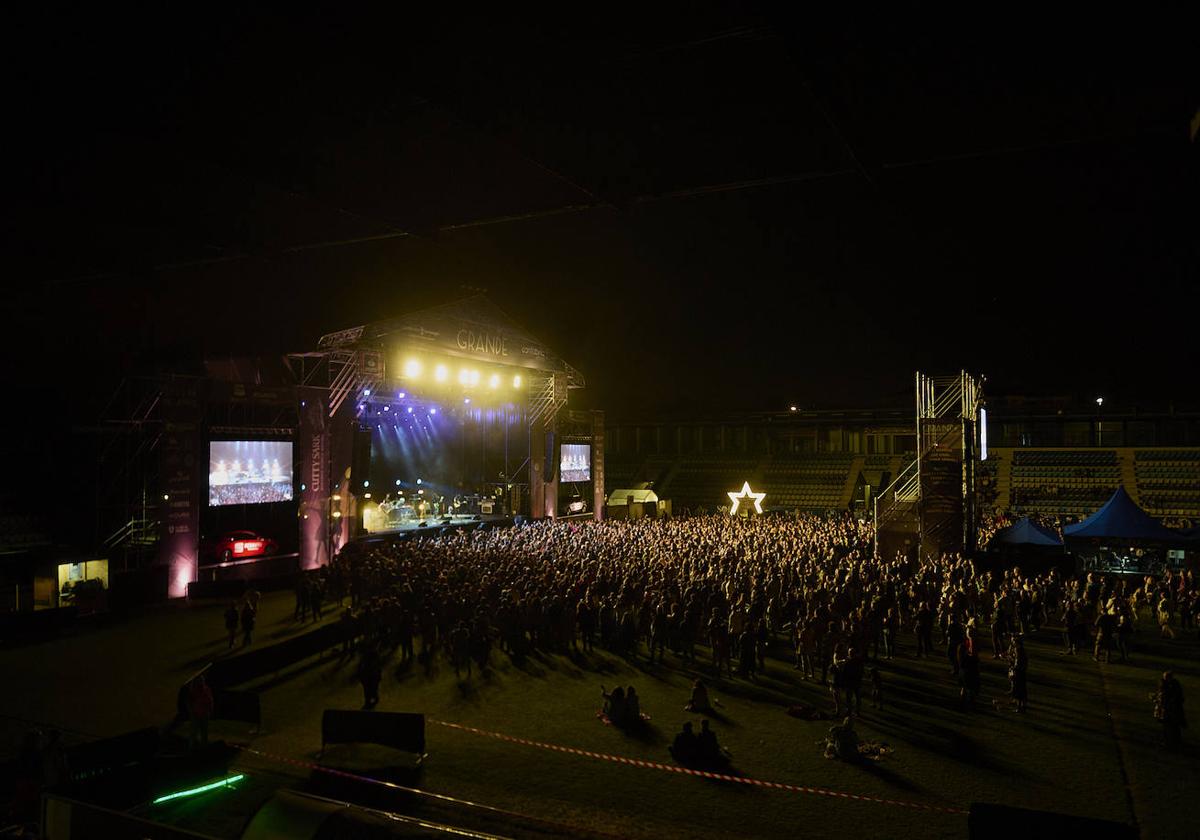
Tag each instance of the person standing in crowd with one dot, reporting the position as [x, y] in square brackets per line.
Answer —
[231, 622]
[248, 618]
[1106, 625]
[301, 589]
[1168, 710]
[924, 626]
[315, 596]
[1124, 635]
[200, 710]
[968, 670]
[370, 674]
[1018, 670]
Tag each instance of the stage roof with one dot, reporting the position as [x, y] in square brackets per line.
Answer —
[474, 328]
[1121, 518]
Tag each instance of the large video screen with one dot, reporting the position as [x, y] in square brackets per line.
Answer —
[576, 462]
[249, 472]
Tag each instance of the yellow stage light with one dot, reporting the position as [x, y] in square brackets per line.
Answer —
[441, 373]
[747, 494]
[412, 368]
[337, 514]
[473, 378]
[494, 382]
[464, 376]
[517, 381]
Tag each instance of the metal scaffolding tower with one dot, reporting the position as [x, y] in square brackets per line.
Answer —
[931, 503]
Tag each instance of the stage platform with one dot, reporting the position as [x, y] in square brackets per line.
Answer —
[435, 526]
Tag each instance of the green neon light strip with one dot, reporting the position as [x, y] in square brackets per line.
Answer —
[193, 791]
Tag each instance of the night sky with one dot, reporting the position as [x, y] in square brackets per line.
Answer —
[707, 212]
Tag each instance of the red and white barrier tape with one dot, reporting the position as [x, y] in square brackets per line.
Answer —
[687, 771]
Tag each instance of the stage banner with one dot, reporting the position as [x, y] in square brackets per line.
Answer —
[313, 478]
[182, 471]
[598, 464]
[474, 328]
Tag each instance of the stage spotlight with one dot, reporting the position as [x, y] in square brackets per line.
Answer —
[473, 378]
[410, 409]
[466, 401]
[494, 382]
[366, 392]
[303, 487]
[397, 482]
[401, 395]
[464, 376]
[412, 369]
[418, 481]
[366, 484]
[366, 495]
[433, 411]
[387, 408]
[337, 514]
[517, 381]
[441, 373]
[166, 498]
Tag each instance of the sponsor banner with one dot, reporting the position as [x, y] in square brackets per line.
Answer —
[180, 467]
[598, 464]
[313, 478]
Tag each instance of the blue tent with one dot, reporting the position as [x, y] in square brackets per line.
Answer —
[1025, 532]
[1121, 518]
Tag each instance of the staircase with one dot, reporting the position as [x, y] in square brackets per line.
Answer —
[847, 496]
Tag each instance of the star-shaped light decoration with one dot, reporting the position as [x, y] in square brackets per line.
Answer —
[746, 493]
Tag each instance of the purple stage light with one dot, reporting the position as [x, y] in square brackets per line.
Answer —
[387, 408]
[410, 409]
[433, 411]
[401, 395]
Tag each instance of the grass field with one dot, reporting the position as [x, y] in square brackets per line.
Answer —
[1088, 745]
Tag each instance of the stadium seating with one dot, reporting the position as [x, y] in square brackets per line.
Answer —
[814, 482]
[1063, 482]
[1168, 481]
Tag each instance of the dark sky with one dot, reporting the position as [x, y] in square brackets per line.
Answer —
[712, 209]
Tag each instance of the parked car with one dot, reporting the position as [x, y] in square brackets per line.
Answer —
[236, 545]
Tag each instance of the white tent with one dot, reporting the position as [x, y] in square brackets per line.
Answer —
[624, 497]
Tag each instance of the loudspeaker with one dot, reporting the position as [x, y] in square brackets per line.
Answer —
[551, 457]
[360, 458]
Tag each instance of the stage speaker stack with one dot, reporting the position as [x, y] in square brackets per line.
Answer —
[360, 459]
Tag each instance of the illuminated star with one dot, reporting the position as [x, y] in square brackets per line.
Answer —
[746, 493]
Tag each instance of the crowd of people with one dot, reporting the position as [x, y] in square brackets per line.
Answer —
[718, 592]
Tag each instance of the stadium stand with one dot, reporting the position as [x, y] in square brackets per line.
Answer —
[1063, 482]
[1168, 481]
[814, 483]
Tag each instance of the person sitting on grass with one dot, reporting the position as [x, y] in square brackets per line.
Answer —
[699, 701]
[633, 708]
[614, 705]
[686, 745]
[842, 741]
[708, 752]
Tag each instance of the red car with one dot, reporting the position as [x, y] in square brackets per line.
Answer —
[237, 545]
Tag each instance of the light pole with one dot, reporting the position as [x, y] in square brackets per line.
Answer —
[1099, 421]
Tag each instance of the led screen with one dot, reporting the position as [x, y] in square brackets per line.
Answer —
[983, 434]
[249, 472]
[576, 463]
